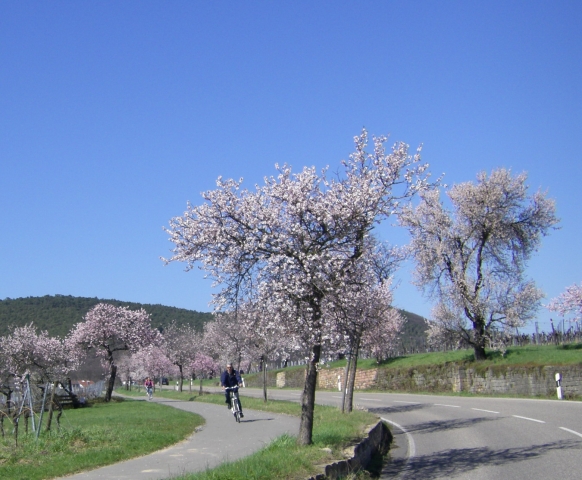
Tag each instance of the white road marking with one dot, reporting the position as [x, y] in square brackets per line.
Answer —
[530, 419]
[571, 431]
[443, 405]
[481, 410]
[371, 399]
[409, 439]
[401, 401]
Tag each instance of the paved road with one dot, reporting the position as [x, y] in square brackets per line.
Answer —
[221, 439]
[473, 438]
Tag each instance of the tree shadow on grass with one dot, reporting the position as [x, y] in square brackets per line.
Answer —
[455, 462]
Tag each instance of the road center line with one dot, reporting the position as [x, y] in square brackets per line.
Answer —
[530, 419]
[571, 431]
[371, 399]
[443, 405]
[481, 410]
[401, 401]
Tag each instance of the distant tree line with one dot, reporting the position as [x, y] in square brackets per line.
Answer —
[57, 314]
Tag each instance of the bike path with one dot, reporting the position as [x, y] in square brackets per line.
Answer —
[219, 440]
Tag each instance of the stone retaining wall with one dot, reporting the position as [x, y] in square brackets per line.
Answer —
[329, 378]
[527, 381]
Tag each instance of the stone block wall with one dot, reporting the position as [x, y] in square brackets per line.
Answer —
[327, 378]
[528, 381]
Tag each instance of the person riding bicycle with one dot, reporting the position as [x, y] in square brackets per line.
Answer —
[231, 378]
[149, 385]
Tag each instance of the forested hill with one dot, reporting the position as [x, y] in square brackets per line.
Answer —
[57, 314]
[414, 330]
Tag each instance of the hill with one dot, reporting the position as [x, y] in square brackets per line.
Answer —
[413, 334]
[57, 314]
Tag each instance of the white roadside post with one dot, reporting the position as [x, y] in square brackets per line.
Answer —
[339, 383]
[559, 385]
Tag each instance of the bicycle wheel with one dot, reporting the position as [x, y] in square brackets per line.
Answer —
[235, 407]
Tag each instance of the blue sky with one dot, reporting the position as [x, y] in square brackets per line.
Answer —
[114, 114]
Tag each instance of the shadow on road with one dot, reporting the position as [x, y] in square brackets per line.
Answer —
[443, 425]
[256, 420]
[398, 409]
[454, 462]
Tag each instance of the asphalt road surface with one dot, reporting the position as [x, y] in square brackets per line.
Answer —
[219, 440]
[471, 437]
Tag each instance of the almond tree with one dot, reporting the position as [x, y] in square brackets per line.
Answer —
[296, 237]
[152, 361]
[266, 335]
[568, 302]
[472, 258]
[381, 339]
[204, 366]
[26, 351]
[109, 329]
[224, 341]
[359, 308]
[47, 358]
[180, 344]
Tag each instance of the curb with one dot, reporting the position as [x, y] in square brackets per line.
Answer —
[377, 441]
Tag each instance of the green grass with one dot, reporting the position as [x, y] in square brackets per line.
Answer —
[102, 434]
[284, 459]
[531, 355]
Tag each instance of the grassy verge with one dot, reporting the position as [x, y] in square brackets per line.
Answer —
[284, 459]
[102, 434]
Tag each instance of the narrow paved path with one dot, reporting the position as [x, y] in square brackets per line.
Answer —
[220, 440]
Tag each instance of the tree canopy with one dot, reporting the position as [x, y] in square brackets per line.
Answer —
[472, 258]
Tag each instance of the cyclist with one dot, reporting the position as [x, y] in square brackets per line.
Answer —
[149, 386]
[230, 378]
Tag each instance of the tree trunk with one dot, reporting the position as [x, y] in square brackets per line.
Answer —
[200, 392]
[345, 382]
[111, 382]
[181, 378]
[479, 341]
[264, 367]
[308, 399]
[351, 380]
[480, 353]
[51, 407]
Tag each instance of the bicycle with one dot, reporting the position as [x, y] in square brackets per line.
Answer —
[234, 402]
[150, 392]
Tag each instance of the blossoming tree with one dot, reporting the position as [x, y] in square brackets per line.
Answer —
[204, 366]
[152, 361]
[48, 358]
[180, 344]
[109, 329]
[568, 303]
[472, 258]
[296, 236]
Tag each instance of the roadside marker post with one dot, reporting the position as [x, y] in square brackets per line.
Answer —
[559, 385]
